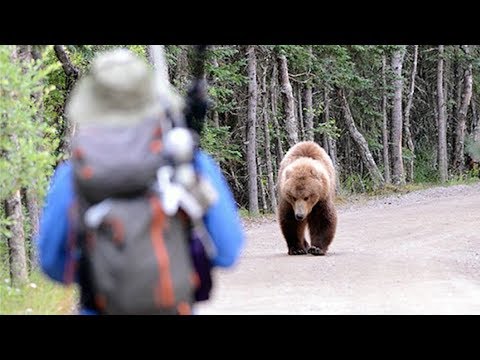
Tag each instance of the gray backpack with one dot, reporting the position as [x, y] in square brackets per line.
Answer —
[138, 258]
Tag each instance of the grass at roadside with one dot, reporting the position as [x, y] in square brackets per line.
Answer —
[39, 296]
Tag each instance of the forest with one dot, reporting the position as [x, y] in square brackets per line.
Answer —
[388, 115]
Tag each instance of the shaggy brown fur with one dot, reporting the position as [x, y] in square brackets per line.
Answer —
[306, 192]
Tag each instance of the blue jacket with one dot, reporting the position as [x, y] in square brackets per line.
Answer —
[56, 254]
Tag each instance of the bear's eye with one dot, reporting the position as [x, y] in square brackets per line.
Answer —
[306, 198]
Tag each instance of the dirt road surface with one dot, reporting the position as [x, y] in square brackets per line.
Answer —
[413, 254]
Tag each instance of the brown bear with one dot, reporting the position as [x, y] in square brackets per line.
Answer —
[306, 192]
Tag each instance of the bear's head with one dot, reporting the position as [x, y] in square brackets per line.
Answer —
[305, 183]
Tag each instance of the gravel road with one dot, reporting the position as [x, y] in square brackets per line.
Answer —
[417, 253]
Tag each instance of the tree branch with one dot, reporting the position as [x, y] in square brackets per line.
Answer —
[62, 56]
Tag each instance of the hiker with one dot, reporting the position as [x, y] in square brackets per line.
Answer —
[118, 97]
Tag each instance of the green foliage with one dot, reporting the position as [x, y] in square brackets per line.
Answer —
[425, 167]
[53, 101]
[374, 144]
[336, 66]
[299, 58]
[328, 128]
[470, 177]
[474, 173]
[4, 232]
[407, 154]
[228, 75]
[357, 183]
[82, 55]
[171, 54]
[27, 143]
[472, 148]
[217, 142]
[243, 213]
[140, 50]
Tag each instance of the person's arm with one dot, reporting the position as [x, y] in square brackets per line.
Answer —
[222, 220]
[55, 254]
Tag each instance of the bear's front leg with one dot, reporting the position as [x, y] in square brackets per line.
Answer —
[292, 230]
[322, 224]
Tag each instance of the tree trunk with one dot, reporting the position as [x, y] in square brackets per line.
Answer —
[72, 73]
[398, 175]
[290, 121]
[408, 133]
[386, 144]
[156, 56]
[13, 205]
[251, 137]
[475, 122]
[325, 136]
[263, 194]
[442, 122]
[30, 198]
[215, 117]
[36, 51]
[278, 133]
[16, 243]
[23, 53]
[458, 76]
[300, 112]
[70, 70]
[361, 143]
[459, 157]
[181, 71]
[34, 220]
[348, 155]
[433, 99]
[331, 142]
[268, 155]
[452, 112]
[333, 155]
[309, 113]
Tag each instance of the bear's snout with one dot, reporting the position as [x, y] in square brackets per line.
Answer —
[299, 217]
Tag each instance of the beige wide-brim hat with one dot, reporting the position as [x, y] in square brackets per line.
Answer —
[120, 90]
